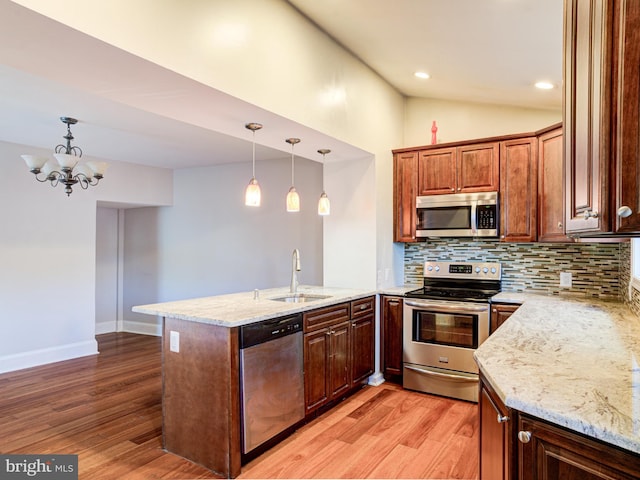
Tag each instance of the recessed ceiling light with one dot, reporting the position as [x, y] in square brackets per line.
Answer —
[423, 75]
[544, 85]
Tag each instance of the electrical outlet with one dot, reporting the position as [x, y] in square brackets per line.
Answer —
[174, 341]
[565, 279]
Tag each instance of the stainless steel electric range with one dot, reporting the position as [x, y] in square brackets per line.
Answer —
[443, 323]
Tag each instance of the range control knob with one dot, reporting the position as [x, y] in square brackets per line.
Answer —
[493, 269]
[485, 270]
[437, 268]
[430, 268]
[477, 269]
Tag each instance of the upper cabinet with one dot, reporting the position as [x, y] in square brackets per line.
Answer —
[601, 116]
[627, 125]
[551, 187]
[405, 186]
[464, 169]
[587, 94]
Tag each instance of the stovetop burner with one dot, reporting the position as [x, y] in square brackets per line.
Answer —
[468, 281]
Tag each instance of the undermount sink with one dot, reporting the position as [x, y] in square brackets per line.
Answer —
[300, 297]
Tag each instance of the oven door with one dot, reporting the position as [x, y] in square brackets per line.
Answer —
[444, 334]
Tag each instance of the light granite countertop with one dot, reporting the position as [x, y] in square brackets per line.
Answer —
[573, 362]
[235, 309]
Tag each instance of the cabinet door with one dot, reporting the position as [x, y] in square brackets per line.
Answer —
[627, 130]
[362, 349]
[405, 174]
[478, 168]
[551, 184]
[518, 190]
[339, 359]
[499, 313]
[391, 335]
[548, 452]
[437, 171]
[494, 436]
[316, 369]
[586, 115]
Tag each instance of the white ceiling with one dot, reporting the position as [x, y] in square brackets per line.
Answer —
[478, 50]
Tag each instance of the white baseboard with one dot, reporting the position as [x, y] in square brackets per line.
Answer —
[143, 328]
[376, 379]
[105, 327]
[34, 358]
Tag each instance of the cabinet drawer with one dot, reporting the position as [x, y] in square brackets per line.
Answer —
[323, 317]
[363, 306]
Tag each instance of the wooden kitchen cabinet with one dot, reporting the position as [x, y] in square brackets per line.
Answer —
[405, 187]
[478, 168]
[518, 190]
[551, 186]
[339, 350]
[362, 340]
[546, 451]
[463, 169]
[496, 432]
[627, 121]
[391, 309]
[587, 113]
[499, 313]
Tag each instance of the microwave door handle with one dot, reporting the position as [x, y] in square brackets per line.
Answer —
[474, 221]
[445, 308]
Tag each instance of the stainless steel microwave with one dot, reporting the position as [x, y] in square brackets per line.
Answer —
[457, 215]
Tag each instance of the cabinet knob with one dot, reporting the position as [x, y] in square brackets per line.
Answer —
[559, 224]
[495, 310]
[589, 214]
[459, 188]
[624, 211]
[503, 418]
[453, 189]
[363, 307]
[524, 437]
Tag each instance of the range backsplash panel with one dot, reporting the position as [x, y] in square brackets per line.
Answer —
[598, 269]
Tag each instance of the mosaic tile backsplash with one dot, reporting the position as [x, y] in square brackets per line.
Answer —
[598, 269]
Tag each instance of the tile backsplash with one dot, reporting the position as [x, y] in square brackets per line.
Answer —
[598, 269]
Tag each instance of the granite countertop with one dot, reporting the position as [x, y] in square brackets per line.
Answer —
[573, 362]
[237, 309]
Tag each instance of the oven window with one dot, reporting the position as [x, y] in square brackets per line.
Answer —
[444, 218]
[457, 330]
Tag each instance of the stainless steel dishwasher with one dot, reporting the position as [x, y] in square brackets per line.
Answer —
[272, 378]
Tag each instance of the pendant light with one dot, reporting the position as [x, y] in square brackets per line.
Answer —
[252, 193]
[293, 199]
[324, 207]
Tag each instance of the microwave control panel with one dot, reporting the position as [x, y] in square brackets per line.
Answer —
[486, 217]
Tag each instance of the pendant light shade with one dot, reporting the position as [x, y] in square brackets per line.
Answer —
[293, 199]
[252, 193]
[324, 206]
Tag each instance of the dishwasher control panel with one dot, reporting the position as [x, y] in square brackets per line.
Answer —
[260, 332]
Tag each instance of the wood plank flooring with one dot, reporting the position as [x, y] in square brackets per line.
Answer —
[107, 410]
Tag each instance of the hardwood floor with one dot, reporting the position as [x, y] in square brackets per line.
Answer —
[107, 410]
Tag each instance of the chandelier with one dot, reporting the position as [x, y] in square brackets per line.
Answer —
[66, 159]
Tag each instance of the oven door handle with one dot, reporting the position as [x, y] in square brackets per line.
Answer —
[446, 308]
[458, 378]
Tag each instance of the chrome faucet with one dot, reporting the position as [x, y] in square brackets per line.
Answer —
[295, 267]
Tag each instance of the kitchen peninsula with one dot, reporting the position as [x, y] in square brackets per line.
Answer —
[201, 392]
[558, 374]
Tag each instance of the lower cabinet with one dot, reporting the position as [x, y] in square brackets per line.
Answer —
[495, 431]
[516, 446]
[499, 313]
[391, 335]
[339, 350]
[548, 452]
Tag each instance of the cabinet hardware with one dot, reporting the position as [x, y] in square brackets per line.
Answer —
[524, 437]
[503, 418]
[624, 211]
[589, 214]
[495, 310]
[559, 224]
[363, 307]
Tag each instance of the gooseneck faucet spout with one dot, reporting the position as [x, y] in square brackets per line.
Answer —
[295, 267]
